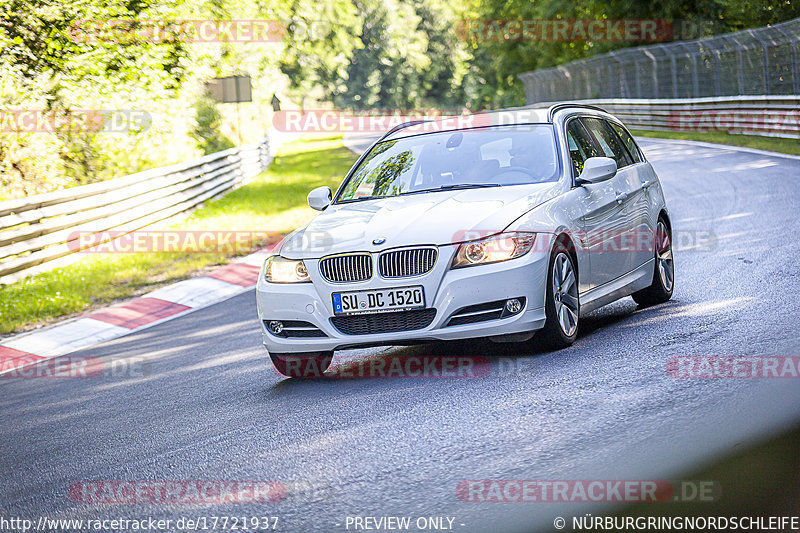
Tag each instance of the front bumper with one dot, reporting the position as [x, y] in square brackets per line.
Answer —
[446, 290]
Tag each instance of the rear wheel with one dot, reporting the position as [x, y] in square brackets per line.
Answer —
[562, 304]
[664, 273]
[302, 365]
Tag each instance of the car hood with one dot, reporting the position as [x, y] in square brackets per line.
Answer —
[436, 218]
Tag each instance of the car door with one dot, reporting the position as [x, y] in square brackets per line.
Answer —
[602, 213]
[619, 242]
[643, 177]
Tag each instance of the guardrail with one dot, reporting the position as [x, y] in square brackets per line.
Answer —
[37, 233]
[772, 116]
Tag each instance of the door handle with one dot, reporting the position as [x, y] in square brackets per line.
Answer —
[645, 185]
[621, 197]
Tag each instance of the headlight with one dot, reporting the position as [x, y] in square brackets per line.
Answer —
[280, 270]
[493, 249]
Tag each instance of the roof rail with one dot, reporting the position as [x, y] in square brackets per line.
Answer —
[553, 108]
[402, 126]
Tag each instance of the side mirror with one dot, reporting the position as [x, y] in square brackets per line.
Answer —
[320, 198]
[597, 169]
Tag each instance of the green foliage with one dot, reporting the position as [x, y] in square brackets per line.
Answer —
[385, 73]
[321, 37]
[411, 58]
[57, 39]
[442, 82]
[208, 130]
[69, 56]
[492, 80]
[743, 14]
[56, 60]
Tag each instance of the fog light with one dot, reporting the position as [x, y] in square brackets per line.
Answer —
[275, 326]
[513, 306]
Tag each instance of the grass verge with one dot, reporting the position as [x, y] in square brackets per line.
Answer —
[275, 201]
[773, 144]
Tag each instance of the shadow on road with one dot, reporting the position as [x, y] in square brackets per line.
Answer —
[466, 358]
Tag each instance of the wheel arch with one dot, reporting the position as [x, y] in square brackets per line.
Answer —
[564, 239]
[663, 214]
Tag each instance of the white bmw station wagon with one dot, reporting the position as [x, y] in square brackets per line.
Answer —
[500, 231]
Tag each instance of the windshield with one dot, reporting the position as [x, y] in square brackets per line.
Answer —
[508, 155]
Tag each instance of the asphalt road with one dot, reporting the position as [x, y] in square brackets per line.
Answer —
[210, 406]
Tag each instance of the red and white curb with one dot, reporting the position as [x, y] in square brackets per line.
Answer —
[152, 308]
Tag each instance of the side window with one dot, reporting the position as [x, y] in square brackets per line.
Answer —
[626, 138]
[609, 143]
[581, 147]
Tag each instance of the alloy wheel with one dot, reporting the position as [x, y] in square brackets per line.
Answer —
[666, 267]
[565, 294]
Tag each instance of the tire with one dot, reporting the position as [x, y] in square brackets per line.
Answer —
[302, 365]
[562, 302]
[660, 290]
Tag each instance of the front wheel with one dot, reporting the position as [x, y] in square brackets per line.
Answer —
[660, 290]
[302, 365]
[562, 304]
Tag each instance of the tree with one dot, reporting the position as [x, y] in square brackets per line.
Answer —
[320, 39]
[494, 64]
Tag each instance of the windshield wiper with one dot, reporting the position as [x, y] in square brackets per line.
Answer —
[469, 186]
[434, 189]
[453, 187]
[359, 199]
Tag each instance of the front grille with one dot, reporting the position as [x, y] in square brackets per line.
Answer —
[346, 268]
[297, 329]
[407, 263]
[384, 322]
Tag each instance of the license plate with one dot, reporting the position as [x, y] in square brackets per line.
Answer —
[378, 301]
